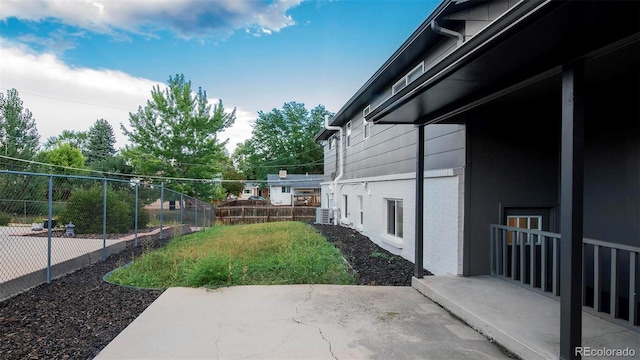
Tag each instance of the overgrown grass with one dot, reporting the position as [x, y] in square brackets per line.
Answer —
[259, 254]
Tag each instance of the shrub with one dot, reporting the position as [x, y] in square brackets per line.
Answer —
[4, 219]
[85, 210]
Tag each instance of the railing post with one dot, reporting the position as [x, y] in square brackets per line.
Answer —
[543, 263]
[514, 253]
[532, 260]
[49, 222]
[596, 278]
[492, 256]
[613, 293]
[504, 235]
[104, 219]
[522, 257]
[554, 267]
[632, 287]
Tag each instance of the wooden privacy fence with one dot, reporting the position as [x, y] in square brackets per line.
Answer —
[261, 214]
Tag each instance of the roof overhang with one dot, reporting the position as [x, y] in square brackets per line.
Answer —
[532, 41]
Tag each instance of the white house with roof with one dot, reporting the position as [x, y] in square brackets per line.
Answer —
[294, 189]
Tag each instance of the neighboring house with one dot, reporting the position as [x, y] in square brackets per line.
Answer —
[294, 189]
[498, 106]
[253, 189]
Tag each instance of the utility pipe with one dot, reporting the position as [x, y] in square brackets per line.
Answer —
[334, 189]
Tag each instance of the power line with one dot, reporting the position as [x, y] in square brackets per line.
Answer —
[72, 101]
[155, 177]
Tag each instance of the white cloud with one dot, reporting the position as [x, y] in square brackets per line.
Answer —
[187, 18]
[66, 98]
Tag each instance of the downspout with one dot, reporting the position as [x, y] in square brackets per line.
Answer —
[334, 188]
[446, 32]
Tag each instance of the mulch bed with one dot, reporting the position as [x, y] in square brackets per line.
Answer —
[76, 316]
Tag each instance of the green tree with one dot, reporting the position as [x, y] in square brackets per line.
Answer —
[18, 133]
[19, 139]
[234, 184]
[176, 136]
[77, 139]
[100, 142]
[65, 160]
[283, 139]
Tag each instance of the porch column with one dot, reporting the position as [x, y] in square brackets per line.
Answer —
[419, 246]
[571, 205]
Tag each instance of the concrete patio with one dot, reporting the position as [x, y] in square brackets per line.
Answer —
[525, 322]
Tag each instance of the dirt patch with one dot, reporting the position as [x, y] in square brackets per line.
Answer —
[76, 316]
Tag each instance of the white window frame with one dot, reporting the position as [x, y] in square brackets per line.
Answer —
[345, 210]
[366, 126]
[408, 78]
[286, 189]
[395, 219]
[366, 129]
[348, 136]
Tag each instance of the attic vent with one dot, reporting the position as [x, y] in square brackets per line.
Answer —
[408, 79]
[366, 111]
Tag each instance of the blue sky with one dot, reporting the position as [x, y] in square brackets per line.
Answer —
[76, 61]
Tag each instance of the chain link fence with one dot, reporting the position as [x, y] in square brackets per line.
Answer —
[51, 225]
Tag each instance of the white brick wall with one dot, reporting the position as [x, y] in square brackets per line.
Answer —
[443, 215]
[442, 225]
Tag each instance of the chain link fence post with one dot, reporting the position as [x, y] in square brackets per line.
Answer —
[49, 222]
[181, 212]
[104, 219]
[161, 207]
[135, 222]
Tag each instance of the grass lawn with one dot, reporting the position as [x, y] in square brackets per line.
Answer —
[258, 254]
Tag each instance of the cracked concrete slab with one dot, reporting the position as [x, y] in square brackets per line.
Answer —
[297, 322]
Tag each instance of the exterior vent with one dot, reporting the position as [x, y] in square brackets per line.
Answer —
[282, 174]
[366, 111]
[323, 216]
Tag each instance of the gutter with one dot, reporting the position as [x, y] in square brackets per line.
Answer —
[462, 55]
[334, 187]
[424, 27]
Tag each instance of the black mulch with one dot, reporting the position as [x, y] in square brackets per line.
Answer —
[75, 316]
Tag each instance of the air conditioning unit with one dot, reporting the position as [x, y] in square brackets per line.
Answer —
[323, 216]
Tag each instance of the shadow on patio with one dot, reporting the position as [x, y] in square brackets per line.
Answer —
[525, 322]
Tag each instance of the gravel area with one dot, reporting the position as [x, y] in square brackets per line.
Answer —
[75, 316]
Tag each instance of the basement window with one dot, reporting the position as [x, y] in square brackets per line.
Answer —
[394, 217]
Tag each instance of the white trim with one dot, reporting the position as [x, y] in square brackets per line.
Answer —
[406, 176]
[366, 111]
[366, 129]
[402, 83]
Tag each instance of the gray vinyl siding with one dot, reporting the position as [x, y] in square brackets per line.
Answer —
[390, 149]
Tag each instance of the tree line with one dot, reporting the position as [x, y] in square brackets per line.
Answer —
[174, 138]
